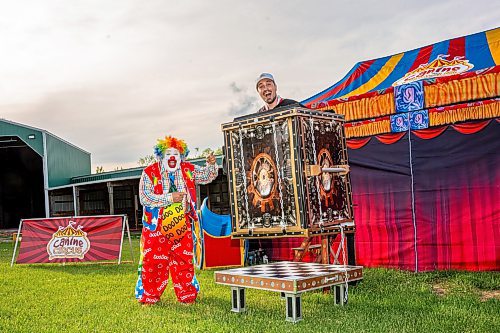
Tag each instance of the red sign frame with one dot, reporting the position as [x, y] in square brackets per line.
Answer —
[71, 239]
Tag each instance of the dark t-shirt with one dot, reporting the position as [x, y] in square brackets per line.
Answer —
[284, 102]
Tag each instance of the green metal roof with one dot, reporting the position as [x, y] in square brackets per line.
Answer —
[31, 136]
[67, 164]
[108, 176]
[127, 173]
[65, 161]
[62, 160]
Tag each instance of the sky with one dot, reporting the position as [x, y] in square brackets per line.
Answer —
[112, 77]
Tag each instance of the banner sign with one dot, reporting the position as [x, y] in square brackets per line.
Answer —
[439, 67]
[70, 239]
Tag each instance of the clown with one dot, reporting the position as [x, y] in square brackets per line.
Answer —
[166, 183]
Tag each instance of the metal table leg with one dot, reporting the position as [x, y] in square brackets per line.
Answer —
[340, 294]
[238, 299]
[293, 307]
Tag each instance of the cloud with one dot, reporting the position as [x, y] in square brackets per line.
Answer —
[246, 103]
[235, 88]
[114, 79]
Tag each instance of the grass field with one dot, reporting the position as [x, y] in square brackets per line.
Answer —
[100, 298]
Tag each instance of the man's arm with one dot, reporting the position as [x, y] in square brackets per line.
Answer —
[206, 174]
[149, 198]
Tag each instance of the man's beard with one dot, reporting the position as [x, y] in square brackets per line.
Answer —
[271, 102]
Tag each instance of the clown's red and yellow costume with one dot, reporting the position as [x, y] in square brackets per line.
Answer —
[161, 257]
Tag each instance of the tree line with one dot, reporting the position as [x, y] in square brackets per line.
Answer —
[149, 159]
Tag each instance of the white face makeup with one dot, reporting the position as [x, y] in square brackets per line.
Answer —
[171, 160]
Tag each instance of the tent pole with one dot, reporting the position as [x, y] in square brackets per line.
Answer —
[412, 183]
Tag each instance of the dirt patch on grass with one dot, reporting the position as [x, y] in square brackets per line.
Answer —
[489, 294]
[441, 289]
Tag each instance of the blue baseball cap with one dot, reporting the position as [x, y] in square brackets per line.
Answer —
[264, 76]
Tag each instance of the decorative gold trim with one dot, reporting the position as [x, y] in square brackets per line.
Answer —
[367, 128]
[285, 114]
[233, 175]
[462, 90]
[474, 112]
[295, 180]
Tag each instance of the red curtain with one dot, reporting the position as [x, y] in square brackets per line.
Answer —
[457, 201]
[357, 143]
[390, 138]
[430, 133]
[441, 211]
[470, 128]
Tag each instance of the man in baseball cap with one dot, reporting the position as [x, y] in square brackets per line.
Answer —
[266, 87]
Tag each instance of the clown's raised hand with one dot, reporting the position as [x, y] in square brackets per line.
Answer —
[211, 159]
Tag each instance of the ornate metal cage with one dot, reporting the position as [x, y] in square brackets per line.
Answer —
[288, 174]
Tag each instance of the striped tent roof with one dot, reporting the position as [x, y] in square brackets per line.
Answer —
[477, 51]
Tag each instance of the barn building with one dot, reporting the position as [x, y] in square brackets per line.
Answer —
[42, 175]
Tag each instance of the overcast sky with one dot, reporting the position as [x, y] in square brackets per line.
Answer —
[112, 76]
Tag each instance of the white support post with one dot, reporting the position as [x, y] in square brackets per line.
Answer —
[124, 220]
[45, 176]
[293, 307]
[15, 246]
[129, 239]
[238, 299]
[340, 294]
[111, 201]
[75, 198]
[136, 209]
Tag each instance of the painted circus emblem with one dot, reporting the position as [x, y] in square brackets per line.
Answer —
[263, 181]
[326, 179]
[263, 177]
[437, 68]
[68, 242]
[325, 160]
[174, 225]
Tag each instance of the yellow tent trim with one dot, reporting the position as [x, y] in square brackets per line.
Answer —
[382, 74]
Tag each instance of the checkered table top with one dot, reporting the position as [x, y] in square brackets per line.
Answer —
[288, 276]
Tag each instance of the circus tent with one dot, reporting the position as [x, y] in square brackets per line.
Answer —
[423, 132]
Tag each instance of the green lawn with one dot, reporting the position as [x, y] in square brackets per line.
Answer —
[100, 298]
